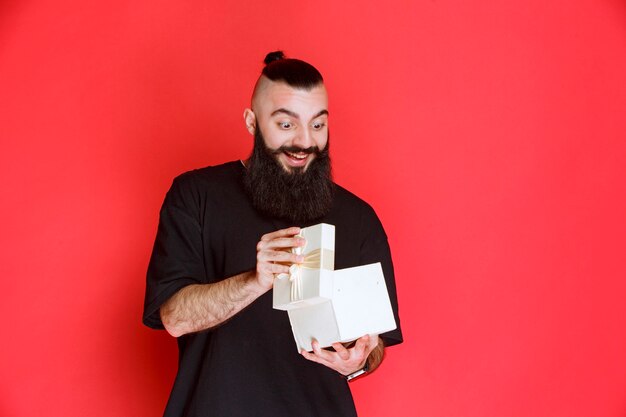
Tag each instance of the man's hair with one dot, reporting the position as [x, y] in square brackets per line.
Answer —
[294, 72]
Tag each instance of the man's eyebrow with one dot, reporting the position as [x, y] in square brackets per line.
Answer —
[321, 113]
[295, 115]
[285, 111]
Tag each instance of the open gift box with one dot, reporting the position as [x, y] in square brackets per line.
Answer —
[327, 305]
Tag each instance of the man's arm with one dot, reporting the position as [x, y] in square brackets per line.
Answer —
[199, 307]
[202, 306]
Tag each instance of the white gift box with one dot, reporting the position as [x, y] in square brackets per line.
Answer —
[310, 282]
[333, 306]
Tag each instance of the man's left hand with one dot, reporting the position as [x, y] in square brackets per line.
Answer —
[343, 360]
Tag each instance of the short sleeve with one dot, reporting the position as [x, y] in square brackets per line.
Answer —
[375, 248]
[177, 256]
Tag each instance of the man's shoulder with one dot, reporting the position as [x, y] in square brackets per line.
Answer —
[349, 207]
[214, 173]
[210, 178]
[199, 184]
[348, 199]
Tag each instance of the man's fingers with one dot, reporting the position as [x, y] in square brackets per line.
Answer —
[273, 252]
[281, 243]
[280, 233]
[342, 360]
[373, 342]
[319, 355]
[278, 256]
[285, 242]
[361, 344]
[318, 350]
[327, 355]
[341, 351]
[271, 268]
[312, 357]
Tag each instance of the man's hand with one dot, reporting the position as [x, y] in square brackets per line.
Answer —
[274, 254]
[345, 360]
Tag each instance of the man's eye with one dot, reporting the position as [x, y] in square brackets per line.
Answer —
[285, 125]
[318, 126]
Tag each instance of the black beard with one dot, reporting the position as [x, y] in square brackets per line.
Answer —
[299, 196]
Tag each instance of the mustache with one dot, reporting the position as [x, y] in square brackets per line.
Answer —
[297, 149]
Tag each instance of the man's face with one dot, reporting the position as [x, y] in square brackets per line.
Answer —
[294, 122]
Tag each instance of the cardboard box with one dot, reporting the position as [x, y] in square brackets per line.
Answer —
[360, 305]
[311, 282]
[334, 306]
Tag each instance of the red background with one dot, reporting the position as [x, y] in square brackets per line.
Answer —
[489, 136]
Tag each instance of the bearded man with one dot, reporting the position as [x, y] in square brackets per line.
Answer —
[226, 231]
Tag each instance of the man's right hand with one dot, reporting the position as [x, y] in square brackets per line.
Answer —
[274, 255]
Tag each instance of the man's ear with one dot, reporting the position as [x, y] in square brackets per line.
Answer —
[250, 119]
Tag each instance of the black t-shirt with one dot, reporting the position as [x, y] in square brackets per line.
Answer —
[250, 365]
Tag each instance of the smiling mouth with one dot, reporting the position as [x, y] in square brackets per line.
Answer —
[296, 157]
[299, 156]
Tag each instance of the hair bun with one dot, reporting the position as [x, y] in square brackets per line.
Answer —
[273, 56]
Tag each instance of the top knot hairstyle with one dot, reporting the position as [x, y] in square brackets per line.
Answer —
[294, 72]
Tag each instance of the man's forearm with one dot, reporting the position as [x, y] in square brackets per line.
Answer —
[202, 306]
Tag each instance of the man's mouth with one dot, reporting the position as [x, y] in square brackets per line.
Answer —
[296, 159]
[298, 156]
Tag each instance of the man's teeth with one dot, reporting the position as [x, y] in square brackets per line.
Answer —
[296, 156]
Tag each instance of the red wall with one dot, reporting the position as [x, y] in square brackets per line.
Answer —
[489, 136]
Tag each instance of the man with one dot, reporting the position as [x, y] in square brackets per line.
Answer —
[226, 231]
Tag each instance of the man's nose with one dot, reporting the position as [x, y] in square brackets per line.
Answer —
[304, 139]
